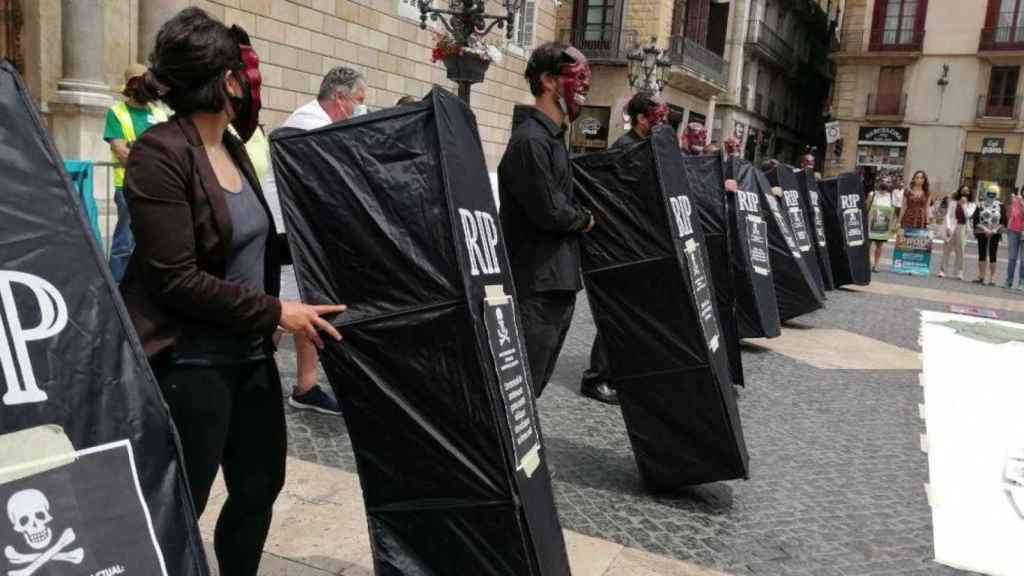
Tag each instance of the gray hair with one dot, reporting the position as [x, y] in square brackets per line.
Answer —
[339, 79]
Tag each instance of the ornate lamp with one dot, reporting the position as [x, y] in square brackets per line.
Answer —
[465, 19]
[649, 68]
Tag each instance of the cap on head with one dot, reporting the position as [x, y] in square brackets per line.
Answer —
[132, 72]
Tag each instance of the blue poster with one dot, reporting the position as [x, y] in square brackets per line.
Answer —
[913, 252]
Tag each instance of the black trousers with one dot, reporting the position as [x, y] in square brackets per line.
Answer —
[598, 372]
[231, 417]
[988, 247]
[546, 320]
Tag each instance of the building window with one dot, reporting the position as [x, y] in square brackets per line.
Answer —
[888, 99]
[1002, 91]
[1010, 21]
[898, 24]
[522, 31]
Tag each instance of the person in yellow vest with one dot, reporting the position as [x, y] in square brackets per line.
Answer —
[126, 121]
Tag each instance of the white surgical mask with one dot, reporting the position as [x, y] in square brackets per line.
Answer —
[360, 110]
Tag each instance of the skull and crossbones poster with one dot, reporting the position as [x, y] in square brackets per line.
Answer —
[86, 518]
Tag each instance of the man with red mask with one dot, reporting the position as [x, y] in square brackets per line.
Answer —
[540, 217]
[694, 139]
[645, 112]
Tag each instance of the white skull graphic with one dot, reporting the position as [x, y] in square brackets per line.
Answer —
[29, 513]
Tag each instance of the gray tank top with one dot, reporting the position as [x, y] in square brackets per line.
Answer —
[250, 227]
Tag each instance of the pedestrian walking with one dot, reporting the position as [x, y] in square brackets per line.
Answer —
[959, 216]
[1015, 238]
[201, 286]
[342, 95]
[989, 221]
[539, 214]
[883, 214]
[126, 121]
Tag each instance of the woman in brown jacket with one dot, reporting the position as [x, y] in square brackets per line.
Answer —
[202, 283]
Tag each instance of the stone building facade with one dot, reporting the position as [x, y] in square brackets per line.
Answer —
[73, 54]
[931, 85]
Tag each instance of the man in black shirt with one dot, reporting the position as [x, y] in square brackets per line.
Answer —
[644, 112]
[539, 215]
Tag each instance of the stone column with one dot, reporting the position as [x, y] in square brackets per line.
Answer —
[82, 26]
[82, 93]
[152, 15]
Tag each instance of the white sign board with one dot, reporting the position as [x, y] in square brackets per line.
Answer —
[973, 396]
[832, 133]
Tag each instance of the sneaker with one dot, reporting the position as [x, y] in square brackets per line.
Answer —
[316, 400]
[1020, 287]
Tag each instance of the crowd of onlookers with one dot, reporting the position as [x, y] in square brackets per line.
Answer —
[986, 216]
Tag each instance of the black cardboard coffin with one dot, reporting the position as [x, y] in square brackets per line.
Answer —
[757, 310]
[392, 214]
[75, 387]
[647, 275]
[811, 198]
[707, 187]
[798, 217]
[795, 289]
[843, 204]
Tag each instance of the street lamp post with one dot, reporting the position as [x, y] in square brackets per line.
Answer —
[649, 67]
[465, 19]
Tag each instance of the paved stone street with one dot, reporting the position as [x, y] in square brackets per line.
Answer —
[837, 473]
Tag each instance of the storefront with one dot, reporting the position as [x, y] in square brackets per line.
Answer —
[991, 157]
[881, 149]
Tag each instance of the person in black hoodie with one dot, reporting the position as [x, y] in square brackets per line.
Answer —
[539, 215]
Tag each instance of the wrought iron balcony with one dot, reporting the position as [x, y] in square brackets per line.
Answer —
[602, 43]
[896, 40]
[688, 54]
[894, 105]
[1002, 38]
[760, 35]
[999, 107]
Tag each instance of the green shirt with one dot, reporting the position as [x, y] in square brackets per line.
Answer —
[142, 120]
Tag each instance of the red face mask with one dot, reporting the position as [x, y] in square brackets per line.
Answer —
[695, 138]
[247, 108]
[732, 147]
[575, 83]
[658, 115]
[807, 162]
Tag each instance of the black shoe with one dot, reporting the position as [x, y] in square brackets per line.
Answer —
[601, 392]
[316, 400]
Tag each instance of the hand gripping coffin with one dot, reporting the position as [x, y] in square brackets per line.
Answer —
[757, 310]
[811, 198]
[90, 474]
[843, 204]
[795, 289]
[393, 215]
[648, 281]
[709, 196]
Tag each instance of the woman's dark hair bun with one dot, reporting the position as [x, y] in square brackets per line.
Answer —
[240, 35]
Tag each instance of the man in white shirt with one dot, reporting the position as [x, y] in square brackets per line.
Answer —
[342, 95]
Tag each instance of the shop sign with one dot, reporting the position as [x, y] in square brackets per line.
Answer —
[884, 135]
[993, 146]
[591, 129]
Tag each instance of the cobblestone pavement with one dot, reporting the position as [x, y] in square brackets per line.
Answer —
[837, 476]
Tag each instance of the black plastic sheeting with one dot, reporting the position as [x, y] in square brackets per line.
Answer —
[811, 198]
[707, 187]
[647, 275]
[392, 214]
[844, 206]
[757, 310]
[798, 215]
[77, 363]
[796, 292]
